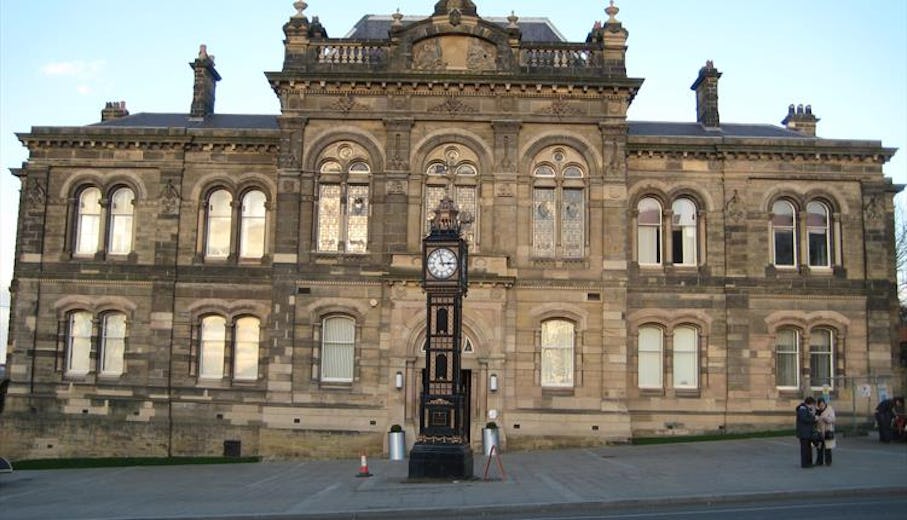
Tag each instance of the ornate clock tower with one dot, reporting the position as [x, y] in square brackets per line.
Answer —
[442, 448]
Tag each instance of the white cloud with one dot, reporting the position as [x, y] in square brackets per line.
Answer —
[77, 68]
[84, 90]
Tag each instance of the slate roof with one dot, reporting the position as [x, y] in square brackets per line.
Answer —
[269, 122]
[376, 27]
[674, 129]
[220, 121]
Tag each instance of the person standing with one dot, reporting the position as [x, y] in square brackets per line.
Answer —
[825, 420]
[806, 426]
[885, 414]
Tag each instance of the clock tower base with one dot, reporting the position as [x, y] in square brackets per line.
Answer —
[440, 461]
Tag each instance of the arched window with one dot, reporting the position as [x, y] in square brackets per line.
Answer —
[558, 204]
[787, 359]
[246, 340]
[819, 238]
[88, 222]
[686, 357]
[213, 346]
[121, 221]
[113, 344]
[784, 233]
[452, 172]
[219, 224]
[557, 345]
[684, 232]
[343, 207]
[650, 350]
[338, 346]
[252, 229]
[78, 344]
[821, 358]
[649, 232]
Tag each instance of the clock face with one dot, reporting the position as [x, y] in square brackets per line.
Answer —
[442, 263]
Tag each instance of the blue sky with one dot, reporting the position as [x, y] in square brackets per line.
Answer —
[61, 60]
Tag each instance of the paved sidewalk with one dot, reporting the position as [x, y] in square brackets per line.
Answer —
[619, 475]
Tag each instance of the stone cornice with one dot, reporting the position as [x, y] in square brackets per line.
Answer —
[171, 139]
[721, 148]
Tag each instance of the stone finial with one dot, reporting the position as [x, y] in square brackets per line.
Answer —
[398, 19]
[316, 30]
[612, 11]
[300, 7]
[512, 19]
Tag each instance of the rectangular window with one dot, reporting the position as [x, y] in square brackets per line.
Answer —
[245, 359]
[573, 224]
[338, 347]
[787, 363]
[784, 247]
[357, 219]
[818, 248]
[213, 343]
[329, 217]
[113, 344]
[686, 358]
[544, 219]
[557, 353]
[820, 359]
[650, 357]
[78, 360]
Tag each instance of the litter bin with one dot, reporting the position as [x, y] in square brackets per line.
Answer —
[396, 443]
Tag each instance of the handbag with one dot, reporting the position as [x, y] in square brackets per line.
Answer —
[829, 435]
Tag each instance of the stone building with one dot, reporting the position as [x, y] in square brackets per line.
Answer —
[190, 283]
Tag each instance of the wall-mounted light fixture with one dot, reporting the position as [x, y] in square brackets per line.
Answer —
[493, 382]
[398, 380]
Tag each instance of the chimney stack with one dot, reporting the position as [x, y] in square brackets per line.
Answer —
[114, 110]
[206, 78]
[801, 120]
[706, 87]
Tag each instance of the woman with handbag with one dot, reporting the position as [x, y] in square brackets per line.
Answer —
[825, 421]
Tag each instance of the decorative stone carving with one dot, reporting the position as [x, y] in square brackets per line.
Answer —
[396, 188]
[427, 55]
[348, 103]
[561, 108]
[37, 194]
[504, 189]
[480, 56]
[616, 163]
[873, 210]
[453, 105]
[170, 199]
[733, 208]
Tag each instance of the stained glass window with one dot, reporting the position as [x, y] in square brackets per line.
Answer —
[357, 219]
[329, 217]
[573, 226]
[544, 222]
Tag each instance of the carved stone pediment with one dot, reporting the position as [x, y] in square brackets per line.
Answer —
[454, 53]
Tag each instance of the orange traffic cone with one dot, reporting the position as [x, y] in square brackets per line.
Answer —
[363, 467]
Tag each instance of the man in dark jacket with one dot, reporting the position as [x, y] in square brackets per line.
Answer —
[885, 415]
[806, 425]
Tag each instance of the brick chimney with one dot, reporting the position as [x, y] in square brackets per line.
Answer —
[801, 120]
[114, 110]
[206, 78]
[706, 87]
